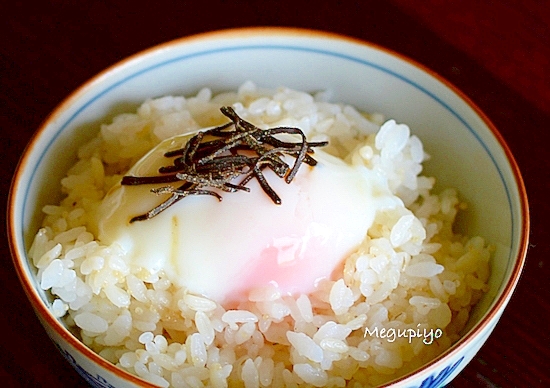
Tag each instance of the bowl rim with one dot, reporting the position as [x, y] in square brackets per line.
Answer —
[20, 261]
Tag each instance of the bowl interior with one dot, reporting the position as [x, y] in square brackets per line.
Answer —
[466, 151]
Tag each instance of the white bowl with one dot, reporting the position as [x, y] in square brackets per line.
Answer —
[466, 151]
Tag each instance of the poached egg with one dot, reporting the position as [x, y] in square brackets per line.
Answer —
[225, 249]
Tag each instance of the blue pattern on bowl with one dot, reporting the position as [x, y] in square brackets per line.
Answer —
[95, 381]
[439, 380]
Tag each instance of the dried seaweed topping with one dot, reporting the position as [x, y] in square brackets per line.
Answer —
[217, 157]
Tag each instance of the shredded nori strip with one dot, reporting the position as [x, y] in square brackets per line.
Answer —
[214, 158]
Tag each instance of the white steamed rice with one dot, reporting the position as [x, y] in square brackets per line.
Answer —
[411, 280]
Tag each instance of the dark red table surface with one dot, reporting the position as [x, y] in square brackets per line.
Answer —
[497, 52]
